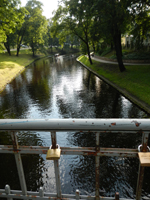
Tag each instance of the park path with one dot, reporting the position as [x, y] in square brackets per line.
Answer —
[114, 62]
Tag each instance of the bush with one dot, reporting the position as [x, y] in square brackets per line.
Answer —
[106, 51]
[140, 55]
[137, 56]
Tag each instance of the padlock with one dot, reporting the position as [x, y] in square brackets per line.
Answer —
[53, 154]
[144, 157]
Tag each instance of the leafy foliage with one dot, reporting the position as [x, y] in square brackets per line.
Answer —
[10, 17]
[73, 19]
[36, 25]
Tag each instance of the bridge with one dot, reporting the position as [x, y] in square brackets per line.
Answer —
[97, 126]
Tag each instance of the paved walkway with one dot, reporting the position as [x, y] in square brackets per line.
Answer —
[113, 62]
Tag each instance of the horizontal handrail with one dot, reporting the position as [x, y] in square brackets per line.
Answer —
[85, 151]
[75, 124]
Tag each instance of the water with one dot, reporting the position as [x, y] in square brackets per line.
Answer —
[65, 89]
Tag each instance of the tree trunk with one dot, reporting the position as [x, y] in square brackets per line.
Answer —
[19, 41]
[7, 48]
[33, 51]
[18, 49]
[93, 46]
[112, 46]
[88, 50]
[118, 48]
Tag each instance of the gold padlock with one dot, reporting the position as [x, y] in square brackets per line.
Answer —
[144, 157]
[53, 154]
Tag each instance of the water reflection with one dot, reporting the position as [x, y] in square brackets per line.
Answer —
[62, 88]
[33, 164]
[116, 174]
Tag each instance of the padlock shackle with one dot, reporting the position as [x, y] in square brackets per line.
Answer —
[57, 145]
[140, 146]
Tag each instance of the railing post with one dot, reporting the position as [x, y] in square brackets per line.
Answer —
[19, 164]
[97, 168]
[117, 196]
[7, 191]
[56, 165]
[77, 194]
[141, 168]
[41, 192]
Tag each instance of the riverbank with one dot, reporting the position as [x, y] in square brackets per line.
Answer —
[133, 83]
[11, 66]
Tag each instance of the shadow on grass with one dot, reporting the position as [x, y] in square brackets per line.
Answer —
[7, 66]
[7, 61]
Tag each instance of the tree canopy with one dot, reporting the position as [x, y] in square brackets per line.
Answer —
[98, 20]
[22, 24]
[10, 17]
[92, 22]
[36, 25]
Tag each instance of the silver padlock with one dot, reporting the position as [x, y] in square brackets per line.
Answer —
[53, 154]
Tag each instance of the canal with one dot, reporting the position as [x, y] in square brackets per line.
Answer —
[62, 88]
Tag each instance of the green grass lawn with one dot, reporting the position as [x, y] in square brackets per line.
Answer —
[10, 66]
[135, 80]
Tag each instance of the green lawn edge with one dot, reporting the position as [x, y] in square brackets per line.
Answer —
[12, 66]
[134, 83]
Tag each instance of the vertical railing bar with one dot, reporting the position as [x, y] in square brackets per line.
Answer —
[19, 164]
[141, 168]
[41, 192]
[97, 168]
[54, 140]
[57, 175]
[56, 165]
[7, 191]
[77, 194]
[117, 196]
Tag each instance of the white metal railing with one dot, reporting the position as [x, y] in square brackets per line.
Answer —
[97, 126]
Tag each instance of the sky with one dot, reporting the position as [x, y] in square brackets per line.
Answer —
[48, 6]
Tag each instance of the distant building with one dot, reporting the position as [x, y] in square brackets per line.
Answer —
[126, 41]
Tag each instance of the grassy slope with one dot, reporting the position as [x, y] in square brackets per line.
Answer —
[10, 66]
[135, 80]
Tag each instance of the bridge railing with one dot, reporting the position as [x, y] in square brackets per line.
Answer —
[53, 126]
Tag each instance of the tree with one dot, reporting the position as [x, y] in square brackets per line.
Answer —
[140, 28]
[16, 37]
[10, 41]
[113, 18]
[36, 25]
[73, 19]
[21, 31]
[51, 41]
[10, 17]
